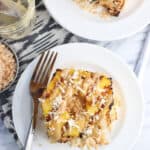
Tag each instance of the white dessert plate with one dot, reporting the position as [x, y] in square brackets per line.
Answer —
[134, 17]
[92, 58]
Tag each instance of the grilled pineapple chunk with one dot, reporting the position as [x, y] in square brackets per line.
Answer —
[46, 107]
[47, 104]
[74, 132]
[85, 74]
[65, 116]
[104, 82]
[92, 109]
[57, 131]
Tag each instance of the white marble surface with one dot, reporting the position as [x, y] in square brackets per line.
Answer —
[6, 141]
[122, 47]
[143, 142]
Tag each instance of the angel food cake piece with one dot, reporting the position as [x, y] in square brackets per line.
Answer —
[79, 108]
[113, 7]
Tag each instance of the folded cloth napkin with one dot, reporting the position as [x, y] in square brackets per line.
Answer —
[46, 34]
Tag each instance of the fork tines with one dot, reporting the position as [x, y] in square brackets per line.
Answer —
[44, 67]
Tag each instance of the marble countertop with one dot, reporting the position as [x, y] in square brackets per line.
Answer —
[6, 141]
[122, 47]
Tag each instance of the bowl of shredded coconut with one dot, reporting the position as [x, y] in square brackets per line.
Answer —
[8, 66]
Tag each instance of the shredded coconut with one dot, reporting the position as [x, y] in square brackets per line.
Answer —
[88, 131]
[61, 88]
[75, 75]
[81, 90]
[57, 102]
[41, 100]
[71, 81]
[101, 90]
[72, 123]
[7, 66]
[54, 115]
[97, 117]
[103, 101]
[52, 129]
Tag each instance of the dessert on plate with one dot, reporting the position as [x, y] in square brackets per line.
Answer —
[112, 7]
[79, 108]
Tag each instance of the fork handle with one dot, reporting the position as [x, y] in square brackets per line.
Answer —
[34, 120]
[31, 131]
[29, 138]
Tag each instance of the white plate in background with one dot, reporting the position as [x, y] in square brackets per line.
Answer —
[134, 17]
[93, 58]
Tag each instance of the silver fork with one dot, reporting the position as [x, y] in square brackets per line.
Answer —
[38, 83]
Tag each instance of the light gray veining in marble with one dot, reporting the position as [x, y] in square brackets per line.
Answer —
[122, 47]
[6, 141]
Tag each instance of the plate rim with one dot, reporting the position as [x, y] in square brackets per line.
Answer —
[127, 22]
[116, 57]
